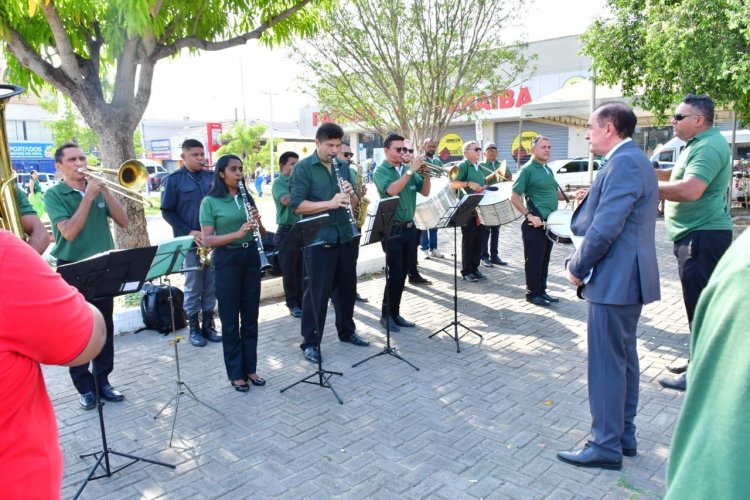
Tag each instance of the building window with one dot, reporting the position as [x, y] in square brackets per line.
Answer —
[37, 132]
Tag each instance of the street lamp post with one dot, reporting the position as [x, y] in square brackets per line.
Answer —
[270, 95]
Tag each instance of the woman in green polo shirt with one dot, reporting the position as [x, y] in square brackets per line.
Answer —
[230, 231]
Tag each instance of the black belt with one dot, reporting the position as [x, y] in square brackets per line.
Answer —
[404, 225]
[235, 246]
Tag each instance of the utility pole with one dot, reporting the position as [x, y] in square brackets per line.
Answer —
[270, 95]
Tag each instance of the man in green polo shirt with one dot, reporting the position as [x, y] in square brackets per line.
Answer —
[330, 267]
[537, 184]
[290, 261]
[428, 239]
[393, 178]
[471, 179]
[345, 156]
[496, 172]
[80, 210]
[697, 210]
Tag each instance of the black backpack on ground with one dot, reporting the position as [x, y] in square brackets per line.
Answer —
[155, 308]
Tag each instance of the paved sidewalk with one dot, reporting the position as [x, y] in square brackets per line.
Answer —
[483, 423]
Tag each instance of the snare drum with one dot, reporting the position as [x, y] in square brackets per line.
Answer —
[495, 209]
[430, 209]
[558, 226]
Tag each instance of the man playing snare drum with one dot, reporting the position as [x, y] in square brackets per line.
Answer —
[537, 185]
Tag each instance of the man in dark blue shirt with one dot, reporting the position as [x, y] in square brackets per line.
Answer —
[180, 204]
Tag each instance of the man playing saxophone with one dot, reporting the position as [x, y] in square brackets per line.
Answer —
[345, 156]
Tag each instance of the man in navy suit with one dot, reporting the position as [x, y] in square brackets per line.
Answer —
[617, 263]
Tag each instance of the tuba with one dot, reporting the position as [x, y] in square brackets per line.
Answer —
[10, 217]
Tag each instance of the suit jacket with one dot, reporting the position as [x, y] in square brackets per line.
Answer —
[618, 220]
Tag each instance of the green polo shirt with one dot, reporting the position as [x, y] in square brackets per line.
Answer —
[434, 161]
[385, 174]
[468, 172]
[225, 215]
[538, 184]
[708, 158]
[24, 207]
[61, 202]
[489, 167]
[312, 181]
[285, 216]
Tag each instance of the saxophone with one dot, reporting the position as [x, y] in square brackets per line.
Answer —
[361, 211]
[10, 216]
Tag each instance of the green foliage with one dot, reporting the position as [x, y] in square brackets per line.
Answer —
[661, 50]
[246, 141]
[70, 128]
[412, 65]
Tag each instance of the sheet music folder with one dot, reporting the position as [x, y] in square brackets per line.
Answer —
[109, 274]
[169, 257]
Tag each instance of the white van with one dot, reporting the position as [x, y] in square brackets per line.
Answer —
[671, 150]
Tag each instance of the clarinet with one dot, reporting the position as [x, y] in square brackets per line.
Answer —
[355, 229]
[264, 264]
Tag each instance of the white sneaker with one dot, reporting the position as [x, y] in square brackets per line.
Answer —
[437, 254]
[425, 254]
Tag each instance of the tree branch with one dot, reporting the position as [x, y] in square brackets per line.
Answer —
[69, 62]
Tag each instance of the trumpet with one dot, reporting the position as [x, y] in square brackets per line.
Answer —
[132, 176]
[435, 171]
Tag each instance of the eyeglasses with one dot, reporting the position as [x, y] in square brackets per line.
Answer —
[678, 117]
[402, 150]
[477, 149]
[410, 150]
[348, 155]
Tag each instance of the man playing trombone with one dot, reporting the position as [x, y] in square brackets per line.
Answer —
[79, 208]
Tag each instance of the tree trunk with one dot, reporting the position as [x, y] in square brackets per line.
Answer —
[117, 147]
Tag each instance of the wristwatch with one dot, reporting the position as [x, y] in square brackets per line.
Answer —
[409, 172]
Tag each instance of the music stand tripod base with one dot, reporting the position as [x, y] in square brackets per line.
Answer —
[378, 229]
[458, 216]
[168, 260]
[301, 237]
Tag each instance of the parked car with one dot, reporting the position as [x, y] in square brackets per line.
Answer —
[47, 180]
[740, 187]
[153, 168]
[572, 173]
[156, 180]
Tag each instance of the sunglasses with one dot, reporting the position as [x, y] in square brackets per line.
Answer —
[678, 117]
[403, 150]
[477, 149]
[348, 155]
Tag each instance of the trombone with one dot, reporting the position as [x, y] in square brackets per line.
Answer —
[132, 176]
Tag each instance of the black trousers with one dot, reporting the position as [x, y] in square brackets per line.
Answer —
[490, 243]
[472, 242]
[402, 247]
[104, 362]
[332, 274]
[355, 250]
[536, 249]
[237, 278]
[412, 270]
[290, 262]
[697, 254]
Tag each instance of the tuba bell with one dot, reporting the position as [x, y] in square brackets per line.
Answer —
[10, 216]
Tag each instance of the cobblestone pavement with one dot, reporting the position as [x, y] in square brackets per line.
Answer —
[483, 423]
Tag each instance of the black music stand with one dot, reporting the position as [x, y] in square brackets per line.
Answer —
[378, 229]
[455, 217]
[303, 235]
[103, 276]
[168, 260]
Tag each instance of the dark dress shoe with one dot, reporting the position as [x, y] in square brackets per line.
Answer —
[538, 301]
[498, 261]
[487, 263]
[471, 277]
[393, 326]
[359, 298]
[295, 312]
[419, 280]
[549, 298]
[311, 354]
[240, 387]
[479, 275]
[110, 393]
[587, 457]
[679, 366]
[630, 452]
[355, 339]
[257, 381]
[400, 321]
[87, 401]
[678, 383]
